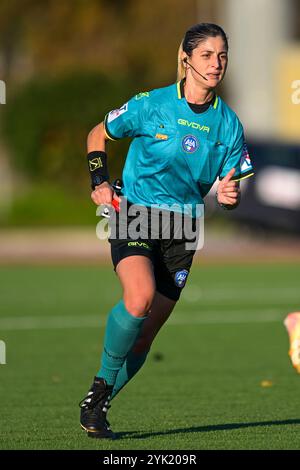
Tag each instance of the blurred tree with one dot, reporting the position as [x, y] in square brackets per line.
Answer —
[47, 123]
[11, 31]
[128, 37]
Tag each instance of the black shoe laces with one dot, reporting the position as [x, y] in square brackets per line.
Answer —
[92, 400]
[92, 405]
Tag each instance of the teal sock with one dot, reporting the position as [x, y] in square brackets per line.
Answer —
[122, 329]
[131, 366]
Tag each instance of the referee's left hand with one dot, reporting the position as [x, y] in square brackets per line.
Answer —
[229, 192]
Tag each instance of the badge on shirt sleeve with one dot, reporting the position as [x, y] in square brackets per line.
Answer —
[115, 113]
[245, 164]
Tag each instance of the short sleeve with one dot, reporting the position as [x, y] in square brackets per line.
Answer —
[125, 121]
[238, 158]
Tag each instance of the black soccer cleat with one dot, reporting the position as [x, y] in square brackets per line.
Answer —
[94, 408]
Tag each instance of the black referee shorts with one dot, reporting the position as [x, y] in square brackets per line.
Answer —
[170, 257]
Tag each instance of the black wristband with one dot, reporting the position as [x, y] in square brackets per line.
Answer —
[97, 161]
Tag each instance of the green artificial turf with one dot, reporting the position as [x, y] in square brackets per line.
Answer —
[202, 385]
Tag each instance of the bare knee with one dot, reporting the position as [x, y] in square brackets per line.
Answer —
[138, 304]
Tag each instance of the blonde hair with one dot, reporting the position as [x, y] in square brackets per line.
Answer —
[180, 65]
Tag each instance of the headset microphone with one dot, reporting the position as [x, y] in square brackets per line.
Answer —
[185, 60]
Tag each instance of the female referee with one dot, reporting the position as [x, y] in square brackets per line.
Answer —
[184, 138]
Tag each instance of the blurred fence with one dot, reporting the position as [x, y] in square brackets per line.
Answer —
[272, 199]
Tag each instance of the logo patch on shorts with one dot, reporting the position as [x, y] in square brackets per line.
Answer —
[190, 143]
[180, 277]
[139, 245]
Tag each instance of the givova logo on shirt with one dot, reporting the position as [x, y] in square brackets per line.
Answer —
[190, 143]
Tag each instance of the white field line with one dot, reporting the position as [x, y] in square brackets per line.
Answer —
[209, 295]
[95, 321]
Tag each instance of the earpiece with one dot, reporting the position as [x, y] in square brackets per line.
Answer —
[186, 62]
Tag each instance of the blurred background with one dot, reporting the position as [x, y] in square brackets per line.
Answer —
[66, 64]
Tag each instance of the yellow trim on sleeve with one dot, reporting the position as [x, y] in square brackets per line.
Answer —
[243, 177]
[178, 91]
[105, 131]
[108, 136]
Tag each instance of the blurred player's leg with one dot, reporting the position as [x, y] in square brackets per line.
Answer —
[292, 324]
[159, 313]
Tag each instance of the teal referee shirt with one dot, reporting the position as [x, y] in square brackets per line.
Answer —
[177, 154]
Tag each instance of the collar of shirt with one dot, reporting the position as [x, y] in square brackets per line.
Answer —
[197, 108]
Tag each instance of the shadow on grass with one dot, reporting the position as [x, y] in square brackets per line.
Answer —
[210, 428]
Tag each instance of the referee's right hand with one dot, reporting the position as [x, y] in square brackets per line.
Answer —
[104, 194]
